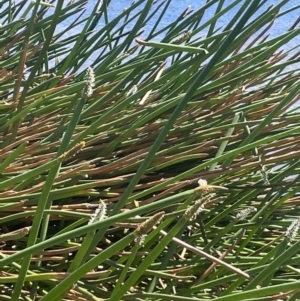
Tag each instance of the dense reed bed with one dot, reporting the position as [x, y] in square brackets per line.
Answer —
[168, 170]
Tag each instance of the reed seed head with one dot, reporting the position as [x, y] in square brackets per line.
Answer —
[99, 214]
[292, 230]
[264, 175]
[243, 214]
[193, 211]
[182, 38]
[89, 83]
[145, 227]
[132, 91]
[72, 152]
[204, 187]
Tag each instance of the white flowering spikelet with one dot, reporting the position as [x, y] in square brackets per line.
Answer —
[99, 214]
[243, 214]
[264, 175]
[292, 230]
[89, 83]
[132, 91]
[193, 211]
[202, 182]
[140, 240]
[203, 187]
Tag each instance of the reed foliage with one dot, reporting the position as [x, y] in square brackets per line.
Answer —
[100, 166]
